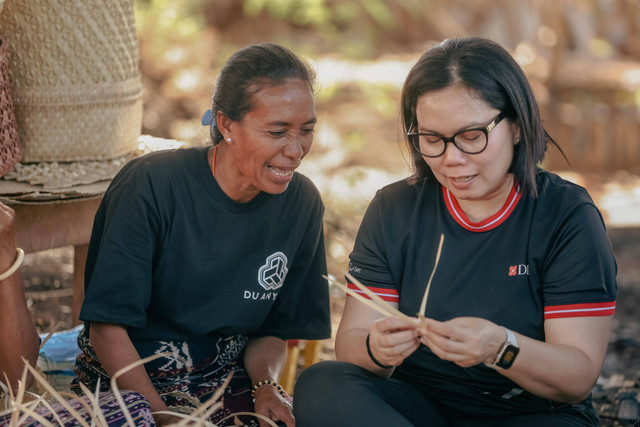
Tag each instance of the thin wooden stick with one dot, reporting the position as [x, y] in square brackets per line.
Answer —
[423, 306]
[382, 310]
[373, 296]
[381, 307]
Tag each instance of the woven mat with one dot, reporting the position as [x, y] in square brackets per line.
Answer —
[53, 181]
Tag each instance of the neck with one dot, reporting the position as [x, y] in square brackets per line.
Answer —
[479, 210]
[228, 181]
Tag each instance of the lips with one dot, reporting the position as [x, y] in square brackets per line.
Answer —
[463, 179]
[281, 172]
[462, 182]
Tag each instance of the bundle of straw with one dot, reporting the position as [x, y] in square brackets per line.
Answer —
[25, 407]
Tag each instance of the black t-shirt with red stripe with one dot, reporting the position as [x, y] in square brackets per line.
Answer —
[536, 259]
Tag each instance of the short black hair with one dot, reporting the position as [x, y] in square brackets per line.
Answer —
[489, 71]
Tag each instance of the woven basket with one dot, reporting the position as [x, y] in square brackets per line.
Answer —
[75, 80]
[10, 149]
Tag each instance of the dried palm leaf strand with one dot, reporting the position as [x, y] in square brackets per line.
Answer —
[372, 295]
[56, 395]
[423, 305]
[208, 408]
[41, 400]
[386, 311]
[29, 412]
[378, 304]
[21, 392]
[44, 341]
[116, 390]
[96, 414]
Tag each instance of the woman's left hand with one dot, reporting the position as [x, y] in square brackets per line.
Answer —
[465, 341]
[274, 406]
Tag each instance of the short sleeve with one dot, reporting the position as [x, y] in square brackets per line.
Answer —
[368, 260]
[118, 276]
[579, 278]
[302, 309]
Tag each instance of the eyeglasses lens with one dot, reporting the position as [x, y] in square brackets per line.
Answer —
[471, 142]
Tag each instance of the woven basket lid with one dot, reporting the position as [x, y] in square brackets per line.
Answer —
[74, 77]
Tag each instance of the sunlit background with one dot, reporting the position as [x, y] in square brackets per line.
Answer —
[582, 57]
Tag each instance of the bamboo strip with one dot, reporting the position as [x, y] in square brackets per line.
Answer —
[373, 296]
[423, 305]
[382, 308]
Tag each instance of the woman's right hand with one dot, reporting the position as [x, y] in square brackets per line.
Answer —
[391, 340]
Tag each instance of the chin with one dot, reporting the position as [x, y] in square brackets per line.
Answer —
[276, 189]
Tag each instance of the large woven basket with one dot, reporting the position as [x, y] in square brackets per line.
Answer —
[10, 149]
[74, 76]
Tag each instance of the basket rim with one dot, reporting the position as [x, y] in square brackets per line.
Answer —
[112, 92]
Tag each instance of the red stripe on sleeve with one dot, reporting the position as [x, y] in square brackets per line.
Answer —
[580, 310]
[390, 295]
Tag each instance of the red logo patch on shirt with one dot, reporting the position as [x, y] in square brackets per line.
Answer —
[518, 270]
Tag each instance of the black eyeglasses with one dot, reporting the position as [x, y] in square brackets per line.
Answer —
[470, 141]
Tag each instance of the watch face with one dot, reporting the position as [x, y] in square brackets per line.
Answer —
[508, 356]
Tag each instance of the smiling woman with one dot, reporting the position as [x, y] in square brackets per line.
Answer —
[261, 151]
[215, 254]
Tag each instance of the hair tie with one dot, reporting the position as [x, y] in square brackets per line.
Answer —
[373, 359]
[208, 119]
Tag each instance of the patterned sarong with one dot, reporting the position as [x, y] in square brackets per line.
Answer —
[135, 404]
[186, 378]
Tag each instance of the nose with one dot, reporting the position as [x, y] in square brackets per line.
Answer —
[296, 147]
[452, 155]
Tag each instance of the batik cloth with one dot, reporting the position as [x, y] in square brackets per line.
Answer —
[185, 378]
[135, 404]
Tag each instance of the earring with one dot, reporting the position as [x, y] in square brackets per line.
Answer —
[517, 141]
[228, 139]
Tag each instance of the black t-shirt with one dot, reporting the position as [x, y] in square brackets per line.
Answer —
[535, 259]
[173, 258]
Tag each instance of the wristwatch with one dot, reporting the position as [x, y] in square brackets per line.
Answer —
[507, 353]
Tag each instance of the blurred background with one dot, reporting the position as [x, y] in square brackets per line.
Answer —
[582, 58]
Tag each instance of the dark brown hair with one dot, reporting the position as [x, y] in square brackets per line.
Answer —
[247, 71]
[488, 70]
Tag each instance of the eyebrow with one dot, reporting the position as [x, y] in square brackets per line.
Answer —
[475, 125]
[308, 122]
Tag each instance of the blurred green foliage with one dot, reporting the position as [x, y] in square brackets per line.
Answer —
[169, 19]
[353, 28]
[322, 14]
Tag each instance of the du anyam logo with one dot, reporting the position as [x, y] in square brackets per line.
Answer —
[271, 275]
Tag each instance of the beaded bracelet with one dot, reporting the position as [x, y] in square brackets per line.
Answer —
[271, 383]
[16, 265]
[373, 359]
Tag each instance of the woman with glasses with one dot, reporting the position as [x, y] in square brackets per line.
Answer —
[519, 307]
